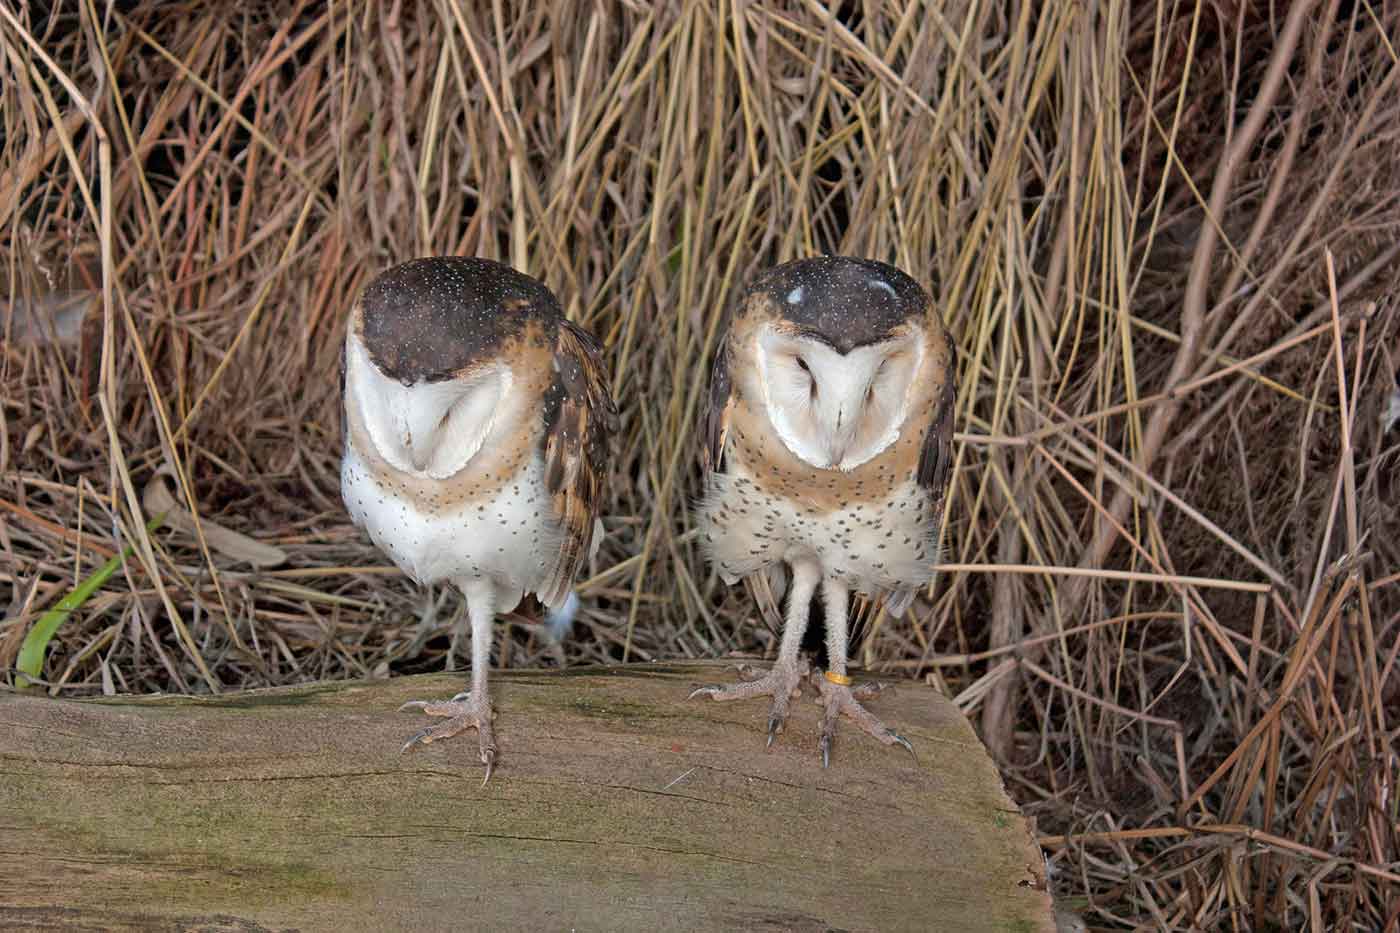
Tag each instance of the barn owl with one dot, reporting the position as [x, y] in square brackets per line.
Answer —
[827, 454]
[476, 428]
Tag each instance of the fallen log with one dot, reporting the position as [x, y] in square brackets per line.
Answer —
[616, 804]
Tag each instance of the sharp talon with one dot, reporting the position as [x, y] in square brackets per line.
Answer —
[414, 704]
[418, 738]
[907, 746]
[464, 695]
[826, 750]
[489, 758]
[781, 683]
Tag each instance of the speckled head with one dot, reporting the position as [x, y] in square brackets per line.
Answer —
[842, 301]
[429, 320]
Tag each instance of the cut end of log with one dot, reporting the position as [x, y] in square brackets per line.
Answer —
[616, 804]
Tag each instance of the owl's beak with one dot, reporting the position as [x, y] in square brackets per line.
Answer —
[836, 450]
[843, 434]
[419, 428]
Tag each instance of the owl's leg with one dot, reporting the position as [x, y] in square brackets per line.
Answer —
[472, 709]
[838, 698]
[784, 681]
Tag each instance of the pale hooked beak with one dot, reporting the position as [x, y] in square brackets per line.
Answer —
[844, 435]
[419, 428]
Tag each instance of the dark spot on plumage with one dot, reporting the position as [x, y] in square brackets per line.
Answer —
[427, 320]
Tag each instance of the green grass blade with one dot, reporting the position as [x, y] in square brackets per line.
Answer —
[36, 643]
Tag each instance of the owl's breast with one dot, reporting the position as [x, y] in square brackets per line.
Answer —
[505, 531]
[880, 542]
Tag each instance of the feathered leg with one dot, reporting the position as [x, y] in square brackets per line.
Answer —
[470, 710]
[837, 696]
[784, 681]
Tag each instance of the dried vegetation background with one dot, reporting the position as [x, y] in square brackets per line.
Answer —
[1164, 236]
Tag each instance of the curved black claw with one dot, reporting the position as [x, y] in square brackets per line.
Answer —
[421, 737]
[901, 740]
[782, 683]
[458, 714]
[775, 725]
[843, 701]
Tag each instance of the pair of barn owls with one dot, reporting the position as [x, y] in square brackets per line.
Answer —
[477, 421]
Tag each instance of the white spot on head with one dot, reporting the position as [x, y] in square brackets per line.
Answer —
[881, 283]
[794, 296]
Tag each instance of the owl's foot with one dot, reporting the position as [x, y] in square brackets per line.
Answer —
[463, 712]
[783, 683]
[838, 700]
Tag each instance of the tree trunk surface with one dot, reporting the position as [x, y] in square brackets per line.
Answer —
[617, 804]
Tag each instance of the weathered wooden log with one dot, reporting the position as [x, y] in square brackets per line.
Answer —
[616, 804]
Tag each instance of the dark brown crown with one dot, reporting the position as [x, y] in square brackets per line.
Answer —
[842, 301]
[428, 320]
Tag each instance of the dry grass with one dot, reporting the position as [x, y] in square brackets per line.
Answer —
[1165, 237]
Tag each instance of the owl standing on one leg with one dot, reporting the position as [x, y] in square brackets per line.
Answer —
[828, 446]
[476, 428]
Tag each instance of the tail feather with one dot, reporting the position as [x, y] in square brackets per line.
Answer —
[560, 622]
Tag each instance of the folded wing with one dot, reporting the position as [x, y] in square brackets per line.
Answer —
[580, 417]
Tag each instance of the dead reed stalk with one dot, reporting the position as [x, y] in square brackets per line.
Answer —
[1165, 237]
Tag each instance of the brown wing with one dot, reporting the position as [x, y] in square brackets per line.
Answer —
[933, 474]
[936, 456]
[580, 417]
[721, 403]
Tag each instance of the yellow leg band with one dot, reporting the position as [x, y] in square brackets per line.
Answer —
[841, 680]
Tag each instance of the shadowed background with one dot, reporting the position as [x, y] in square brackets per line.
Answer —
[1164, 238]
